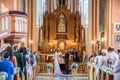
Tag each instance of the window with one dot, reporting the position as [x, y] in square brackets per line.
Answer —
[40, 9]
[84, 11]
[85, 18]
[101, 14]
[6, 22]
[3, 25]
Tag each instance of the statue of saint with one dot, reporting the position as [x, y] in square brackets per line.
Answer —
[76, 34]
[46, 34]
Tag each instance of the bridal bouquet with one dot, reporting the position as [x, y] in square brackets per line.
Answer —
[49, 66]
[4, 74]
[74, 65]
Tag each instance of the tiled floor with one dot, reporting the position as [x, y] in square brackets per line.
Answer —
[60, 78]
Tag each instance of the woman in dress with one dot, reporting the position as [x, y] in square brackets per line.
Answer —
[117, 68]
[57, 70]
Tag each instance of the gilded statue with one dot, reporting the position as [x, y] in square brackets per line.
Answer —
[46, 34]
[76, 34]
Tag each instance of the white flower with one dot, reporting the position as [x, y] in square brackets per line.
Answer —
[4, 73]
[49, 66]
[74, 65]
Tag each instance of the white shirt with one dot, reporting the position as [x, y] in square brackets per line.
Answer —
[98, 60]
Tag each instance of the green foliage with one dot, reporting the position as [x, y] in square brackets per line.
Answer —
[49, 66]
[74, 65]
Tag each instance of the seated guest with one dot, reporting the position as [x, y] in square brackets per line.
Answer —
[92, 57]
[12, 57]
[105, 56]
[7, 66]
[112, 56]
[119, 52]
[98, 59]
[85, 57]
[117, 68]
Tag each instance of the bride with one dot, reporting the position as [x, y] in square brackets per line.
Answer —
[57, 70]
[57, 58]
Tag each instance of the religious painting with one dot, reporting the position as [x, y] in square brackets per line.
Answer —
[61, 24]
[117, 27]
[118, 38]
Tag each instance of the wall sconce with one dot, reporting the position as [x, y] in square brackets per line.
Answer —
[92, 42]
[103, 39]
[30, 41]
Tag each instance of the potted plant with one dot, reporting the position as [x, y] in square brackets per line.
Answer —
[74, 66]
[49, 67]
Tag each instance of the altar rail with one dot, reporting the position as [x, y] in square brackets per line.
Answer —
[41, 70]
[101, 74]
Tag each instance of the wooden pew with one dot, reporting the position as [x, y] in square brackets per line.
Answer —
[102, 74]
[16, 74]
[109, 75]
[2, 77]
[90, 72]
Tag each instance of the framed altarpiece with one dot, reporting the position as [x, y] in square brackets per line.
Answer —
[61, 24]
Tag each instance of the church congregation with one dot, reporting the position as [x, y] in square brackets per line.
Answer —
[59, 40]
[15, 58]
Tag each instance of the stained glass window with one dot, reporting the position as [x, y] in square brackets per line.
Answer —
[40, 9]
[84, 11]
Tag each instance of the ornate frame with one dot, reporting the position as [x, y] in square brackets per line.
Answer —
[58, 23]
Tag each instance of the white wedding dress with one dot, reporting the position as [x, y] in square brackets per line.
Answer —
[57, 70]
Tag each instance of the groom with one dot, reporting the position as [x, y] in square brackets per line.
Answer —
[66, 58]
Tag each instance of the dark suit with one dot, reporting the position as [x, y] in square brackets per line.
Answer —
[75, 56]
[19, 58]
[66, 58]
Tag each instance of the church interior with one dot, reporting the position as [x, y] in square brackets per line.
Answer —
[89, 30]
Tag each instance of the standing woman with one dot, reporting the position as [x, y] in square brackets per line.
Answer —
[117, 68]
[7, 66]
[12, 57]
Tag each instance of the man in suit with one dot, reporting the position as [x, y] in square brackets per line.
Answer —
[75, 56]
[66, 58]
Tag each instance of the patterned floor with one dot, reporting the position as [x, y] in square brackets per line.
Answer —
[60, 78]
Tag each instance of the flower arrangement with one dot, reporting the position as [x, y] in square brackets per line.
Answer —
[17, 69]
[74, 65]
[49, 66]
[4, 73]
